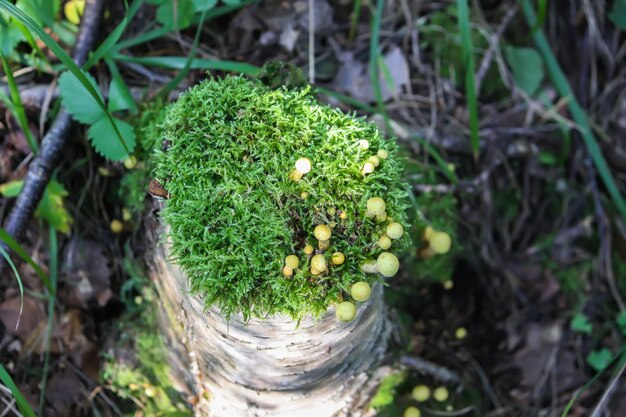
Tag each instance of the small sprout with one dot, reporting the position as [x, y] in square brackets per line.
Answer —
[331, 211]
[308, 249]
[303, 165]
[364, 144]
[412, 412]
[440, 242]
[376, 206]
[138, 300]
[374, 160]
[345, 311]
[287, 271]
[126, 214]
[428, 232]
[460, 333]
[304, 195]
[332, 225]
[361, 291]
[382, 154]
[384, 242]
[117, 226]
[421, 393]
[343, 215]
[132, 386]
[105, 172]
[292, 261]
[318, 264]
[441, 394]
[395, 230]
[448, 285]
[451, 167]
[368, 168]
[338, 258]
[130, 163]
[381, 217]
[295, 175]
[387, 264]
[322, 232]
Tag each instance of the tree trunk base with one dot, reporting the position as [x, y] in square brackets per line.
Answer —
[273, 366]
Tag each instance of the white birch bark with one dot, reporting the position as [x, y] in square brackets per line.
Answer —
[273, 366]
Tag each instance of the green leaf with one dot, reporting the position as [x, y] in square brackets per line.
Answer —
[102, 136]
[617, 15]
[621, 322]
[11, 189]
[232, 2]
[202, 5]
[41, 11]
[10, 35]
[580, 324]
[527, 67]
[77, 101]
[22, 404]
[120, 97]
[599, 359]
[175, 14]
[51, 207]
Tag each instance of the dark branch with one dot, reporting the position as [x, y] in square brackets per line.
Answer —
[54, 141]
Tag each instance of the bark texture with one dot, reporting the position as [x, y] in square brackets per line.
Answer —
[272, 366]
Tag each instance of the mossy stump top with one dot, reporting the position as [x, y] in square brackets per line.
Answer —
[255, 175]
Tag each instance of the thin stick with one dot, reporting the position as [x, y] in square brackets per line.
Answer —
[40, 170]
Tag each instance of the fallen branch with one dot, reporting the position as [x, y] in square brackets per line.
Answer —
[54, 141]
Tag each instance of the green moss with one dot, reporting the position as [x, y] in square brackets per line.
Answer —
[234, 213]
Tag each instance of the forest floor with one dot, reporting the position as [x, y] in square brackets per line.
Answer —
[529, 314]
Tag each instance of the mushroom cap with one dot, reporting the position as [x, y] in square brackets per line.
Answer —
[374, 160]
[412, 412]
[441, 394]
[387, 264]
[364, 144]
[368, 167]
[384, 242]
[440, 242]
[338, 258]
[395, 230]
[421, 393]
[287, 271]
[382, 154]
[360, 291]
[292, 261]
[318, 262]
[303, 165]
[322, 232]
[376, 206]
[345, 311]
[308, 249]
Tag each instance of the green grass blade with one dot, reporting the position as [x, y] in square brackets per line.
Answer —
[192, 54]
[179, 62]
[54, 266]
[6, 256]
[18, 106]
[542, 7]
[22, 404]
[113, 38]
[354, 21]
[468, 57]
[578, 114]
[375, 55]
[21, 252]
[60, 53]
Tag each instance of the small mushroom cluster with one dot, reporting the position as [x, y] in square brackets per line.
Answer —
[303, 166]
[439, 243]
[421, 394]
[373, 161]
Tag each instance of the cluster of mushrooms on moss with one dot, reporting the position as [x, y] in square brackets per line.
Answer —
[278, 204]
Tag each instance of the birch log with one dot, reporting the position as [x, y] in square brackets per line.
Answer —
[269, 366]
